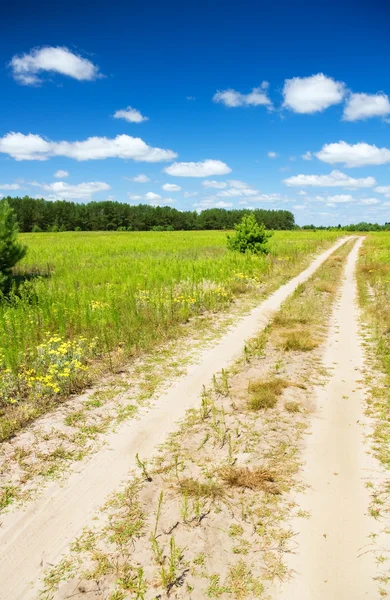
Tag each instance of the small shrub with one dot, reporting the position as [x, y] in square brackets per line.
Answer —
[249, 237]
[265, 393]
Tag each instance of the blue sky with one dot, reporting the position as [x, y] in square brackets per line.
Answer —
[250, 104]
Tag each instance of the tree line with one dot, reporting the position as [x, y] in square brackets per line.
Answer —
[37, 214]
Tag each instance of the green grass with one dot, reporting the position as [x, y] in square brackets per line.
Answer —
[88, 296]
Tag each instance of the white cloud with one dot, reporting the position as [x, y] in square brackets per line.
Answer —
[353, 155]
[140, 178]
[340, 198]
[272, 154]
[214, 184]
[152, 196]
[308, 95]
[35, 147]
[152, 199]
[275, 198]
[334, 179]
[190, 194]
[9, 186]
[365, 106]
[307, 156]
[131, 115]
[231, 98]
[61, 174]
[369, 201]
[60, 190]
[203, 168]
[162, 202]
[237, 184]
[299, 206]
[235, 192]
[171, 187]
[383, 189]
[27, 67]
[212, 202]
[302, 193]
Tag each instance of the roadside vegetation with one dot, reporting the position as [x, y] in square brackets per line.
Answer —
[374, 295]
[223, 480]
[87, 303]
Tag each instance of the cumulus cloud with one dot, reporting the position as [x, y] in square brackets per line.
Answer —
[131, 115]
[299, 206]
[190, 194]
[334, 179]
[212, 202]
[35, 147]
[302, 193]
[231, 98]
[383, 189]
[27, 68]
[60, 190]
[272, 154]
[313, 94]
[214, 184]
[273, 198]
[9, 186]
[365, 106]
[307, 156]
[61, 174]
[203, 168]
[353, 155]
[171, 187]
[152, 196]
[340, 198]
[152, 199]
[140, 178]
[369, 201]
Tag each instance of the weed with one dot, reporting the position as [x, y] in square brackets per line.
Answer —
[254, 479]
[264, 393]
[299, 340]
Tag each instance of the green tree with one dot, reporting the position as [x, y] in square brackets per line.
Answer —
[11, 251]
[249, 237]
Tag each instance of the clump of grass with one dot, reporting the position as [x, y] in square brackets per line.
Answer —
[265, 392]
[326, 286]
[292, 407]
[201, 489]
[299, 340]
[258, 478]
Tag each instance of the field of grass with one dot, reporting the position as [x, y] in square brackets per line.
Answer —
[85, 296]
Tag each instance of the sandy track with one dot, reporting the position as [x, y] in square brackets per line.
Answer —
[333, 558]
[36, 537]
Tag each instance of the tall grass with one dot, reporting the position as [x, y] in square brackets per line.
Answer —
[87, 294]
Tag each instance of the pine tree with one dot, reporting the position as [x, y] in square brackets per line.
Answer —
[249, 237]
[11, 251]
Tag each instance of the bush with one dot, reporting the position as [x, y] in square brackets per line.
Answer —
[249, 237]
[11, 252]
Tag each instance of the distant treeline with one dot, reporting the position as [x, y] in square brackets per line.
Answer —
[363, 226]
[42, 215]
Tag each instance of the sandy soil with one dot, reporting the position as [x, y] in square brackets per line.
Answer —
[33, 538]
[333, 556]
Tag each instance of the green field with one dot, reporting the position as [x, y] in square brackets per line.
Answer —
[85, 296]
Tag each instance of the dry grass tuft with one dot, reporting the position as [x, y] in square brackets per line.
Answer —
[201, 489]
[326, 286]
[259, 478]
[299, 340]
[292, 407]
[287, 320]
[265, 392]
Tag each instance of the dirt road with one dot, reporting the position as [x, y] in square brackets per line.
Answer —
[333, 557]
[36, 537]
